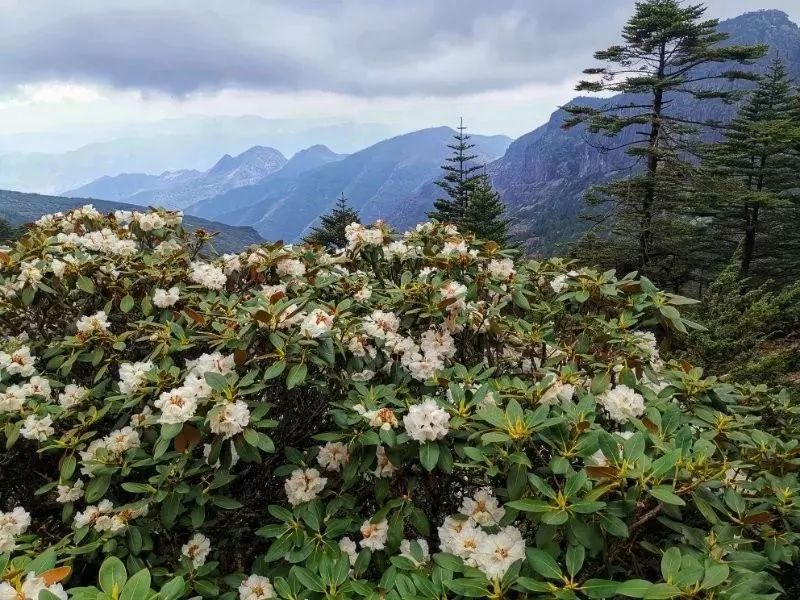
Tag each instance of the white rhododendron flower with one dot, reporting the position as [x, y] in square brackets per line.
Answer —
[256, 587]
[333, 456]
[383, 418]
[207, 275]
[558, 392]
[381, 323]
[426, 422]
[12, 524]
[72, 396]
[384, 468]
[304, 485]
[502, 269]
[197, 549]
[483, 508]
[622, 403]
[497, 552]
[38, 386]
[96, 323]
[36, 428]
[229, 419]
[32, 586]
[374, 535]
[164, 298]
[12, 399]
[177, 405]
[70, 493]
[18, 362]
[348, 547]
[291, 267]
[559, 283]
[133, 375]
[316, 324]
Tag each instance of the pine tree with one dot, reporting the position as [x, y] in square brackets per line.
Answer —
[7, 231]
[484, 215]
[460, 180]
[331, 231]
[668, 50]
[754, 206]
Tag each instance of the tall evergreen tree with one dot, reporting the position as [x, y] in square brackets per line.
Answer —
[667, 50]
[760, 159]
[331, 231]
[7, 231]
[461, 177]
[485, 213]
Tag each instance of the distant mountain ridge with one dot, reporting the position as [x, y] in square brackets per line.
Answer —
[178, 189]
[375, 180]
[19, 208]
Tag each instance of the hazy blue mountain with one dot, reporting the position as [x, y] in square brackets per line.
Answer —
[544, 174]
[304, 160]
[178, 189]
[375, 180]
[56, 161]
[19, 208]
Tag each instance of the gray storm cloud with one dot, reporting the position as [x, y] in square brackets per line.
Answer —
[363, 48]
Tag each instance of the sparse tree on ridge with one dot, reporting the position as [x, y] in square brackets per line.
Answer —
[759, 158]
[484, 215]
[461, 177]
[331, 231]
[668, 50]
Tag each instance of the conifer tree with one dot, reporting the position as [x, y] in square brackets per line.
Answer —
[668, 49]
[331, 231]
[7, 231]
[760, 159]
[461, 177]
[484, 215]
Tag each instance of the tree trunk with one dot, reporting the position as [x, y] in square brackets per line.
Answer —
[645, 229]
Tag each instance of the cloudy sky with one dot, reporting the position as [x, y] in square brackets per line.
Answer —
[502, 64]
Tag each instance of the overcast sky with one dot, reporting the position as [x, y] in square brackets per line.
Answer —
[502, 64]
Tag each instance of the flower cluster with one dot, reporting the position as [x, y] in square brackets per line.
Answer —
[346, 405]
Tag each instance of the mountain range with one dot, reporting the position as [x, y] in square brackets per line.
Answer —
[542, 176]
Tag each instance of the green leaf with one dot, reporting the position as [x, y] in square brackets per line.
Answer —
[662, 591]
[297, 375]
[429, 455]
[574, 559]
[666, 495]
[634, 588]
[112, 576]
[97, 488]
[173, 589]
[543, 563]
[138, 586]
[520, 300]
[309, 580]
[670, 563]
[217, 381]
[126, 304]
[469, 588]
[716, 574]
[600, 588]
[85, 284]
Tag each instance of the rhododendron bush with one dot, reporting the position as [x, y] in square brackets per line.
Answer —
[415, 416]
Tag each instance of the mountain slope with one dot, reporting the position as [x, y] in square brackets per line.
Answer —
[178, 189]
[19, 208]
[304, 160]
[544, 174]
[35, 162]
[375, 180]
